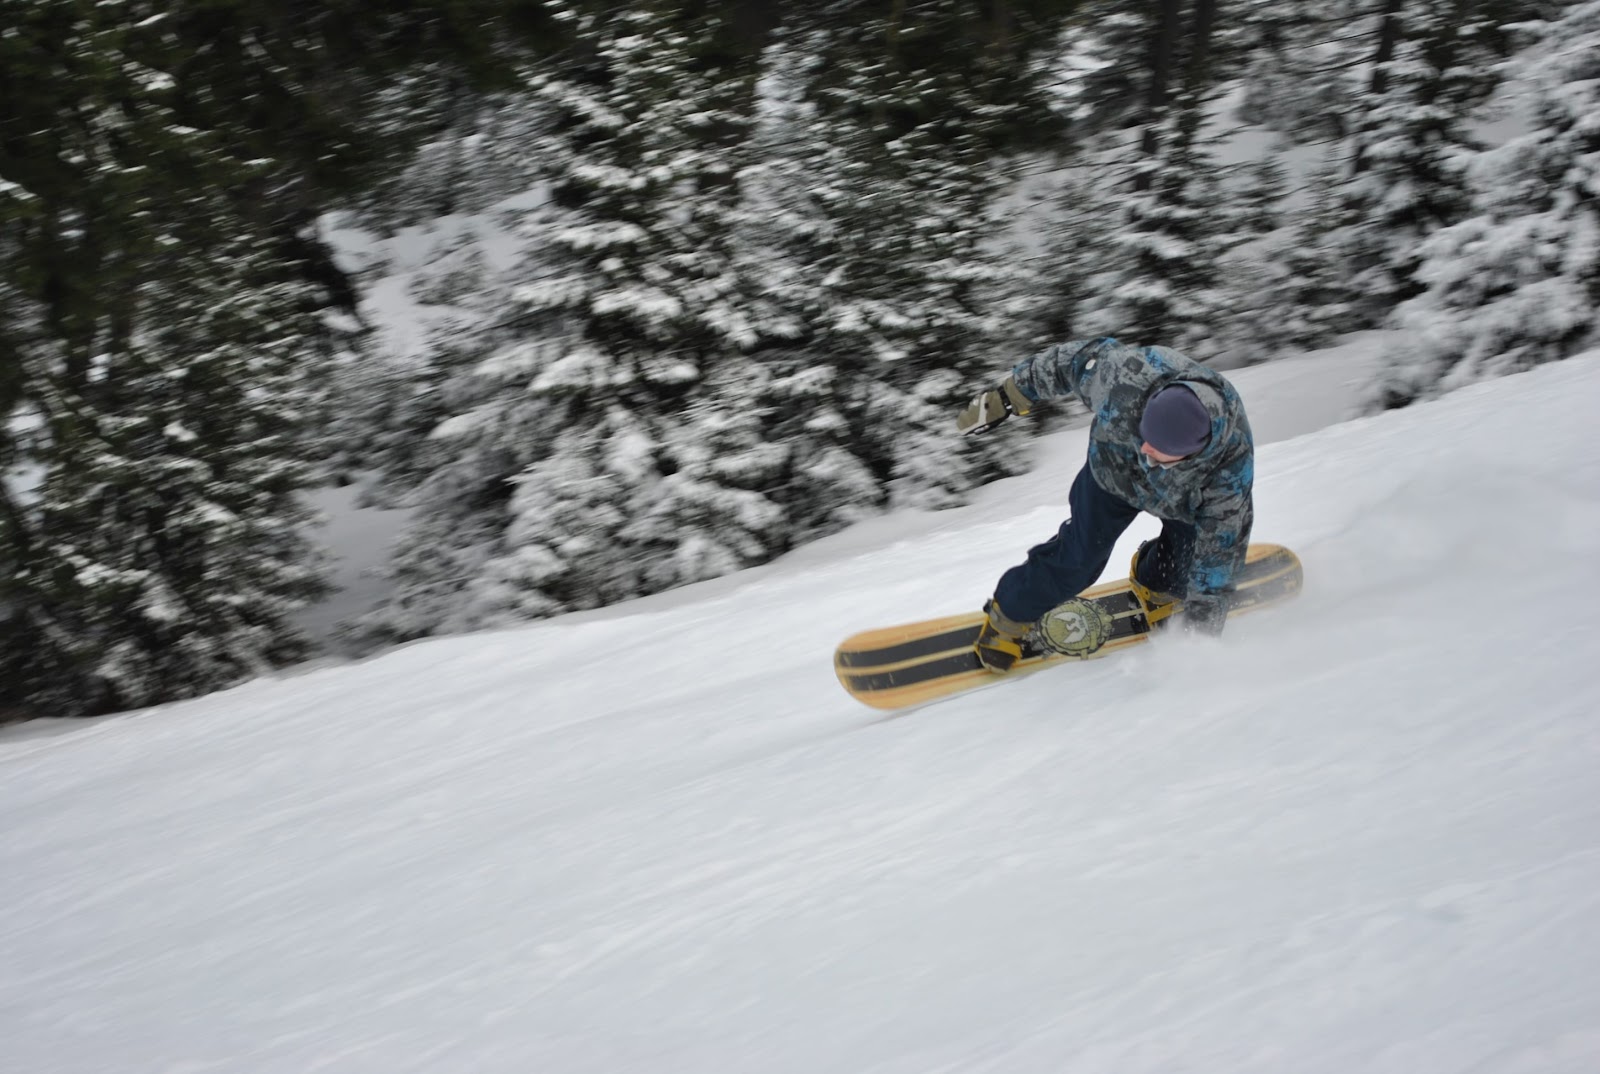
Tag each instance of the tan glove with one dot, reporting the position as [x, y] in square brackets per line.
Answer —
[992, 407]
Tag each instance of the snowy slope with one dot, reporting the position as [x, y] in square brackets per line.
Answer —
[1360, 834]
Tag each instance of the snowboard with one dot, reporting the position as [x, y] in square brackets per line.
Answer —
[915, 663]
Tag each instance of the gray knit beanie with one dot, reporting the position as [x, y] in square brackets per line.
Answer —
[1175, 421]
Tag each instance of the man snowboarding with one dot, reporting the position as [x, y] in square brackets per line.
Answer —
[1168, 436]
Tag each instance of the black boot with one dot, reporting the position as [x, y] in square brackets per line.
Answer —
[1151, 574]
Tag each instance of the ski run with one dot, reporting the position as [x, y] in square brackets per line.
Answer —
[1361, 833]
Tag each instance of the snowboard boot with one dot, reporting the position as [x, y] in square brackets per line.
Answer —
[1148, 560]
[999, 643]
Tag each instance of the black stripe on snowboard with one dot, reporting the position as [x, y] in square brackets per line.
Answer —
[910, 650]
[954, 664]
[958, 638]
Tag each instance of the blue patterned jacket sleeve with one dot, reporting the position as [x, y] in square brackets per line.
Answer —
[1222, 525]
[1058, 370]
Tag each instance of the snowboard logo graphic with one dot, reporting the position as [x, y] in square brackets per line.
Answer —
[1076, 628]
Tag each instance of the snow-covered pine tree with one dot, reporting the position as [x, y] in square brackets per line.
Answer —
[1154, 277]
[1247, 320]
[1518, 282]
[447, 425]
[640, 298]
[1301, 295]
[487, 171]
[1119, 59]
[21, 328]
[1297, 63]
[883, 180]
[162, 547]
[823, 480]
[1300, 68]
[169, 540]
[163, 168]
[1408, 150]
[605, 462]
[1144, 212]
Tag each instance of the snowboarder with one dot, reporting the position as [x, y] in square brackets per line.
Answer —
[1168, 436]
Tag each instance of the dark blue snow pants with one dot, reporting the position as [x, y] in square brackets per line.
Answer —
[1074, 558]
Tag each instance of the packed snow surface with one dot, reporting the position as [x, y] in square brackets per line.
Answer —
[1360, 833]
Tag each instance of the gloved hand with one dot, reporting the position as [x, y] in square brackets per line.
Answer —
[992, 407]
[1206, 614]
[999, 643]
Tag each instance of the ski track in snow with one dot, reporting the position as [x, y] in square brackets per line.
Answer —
[1362, 833]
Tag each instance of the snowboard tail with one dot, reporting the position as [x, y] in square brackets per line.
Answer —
[915, 663]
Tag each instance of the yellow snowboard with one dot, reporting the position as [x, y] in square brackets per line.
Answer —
[915, 663]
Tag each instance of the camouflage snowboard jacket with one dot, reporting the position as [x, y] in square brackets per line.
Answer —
[1210, 490]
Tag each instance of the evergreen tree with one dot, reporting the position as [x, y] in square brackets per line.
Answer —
[1391, 84]
[639, 312]
[162, 550]
[825, 477]
[598, 460]
[1155, 270]
[161, 171]
[884, 237]
[1299, 63]
[708, 361]
[1138, 59]
[1403, 124]
[1145, 216]
[1408, 151]
[1517, 283]
[169, 540]
[1303, 294]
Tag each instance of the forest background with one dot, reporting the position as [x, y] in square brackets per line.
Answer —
[706, 280]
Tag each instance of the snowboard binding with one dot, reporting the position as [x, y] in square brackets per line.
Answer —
[1157, 603]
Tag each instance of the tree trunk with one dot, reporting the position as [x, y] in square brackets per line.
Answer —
[1388, 39]
[1163, 37]
[1197, 70]
[1000, 30]
[897, 17]
[1389, 29]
